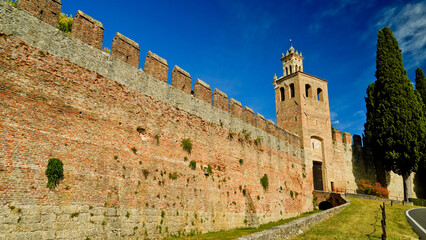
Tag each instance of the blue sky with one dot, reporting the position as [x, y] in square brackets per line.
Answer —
[236, 46]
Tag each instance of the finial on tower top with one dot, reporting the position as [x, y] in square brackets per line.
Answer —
[291, 42]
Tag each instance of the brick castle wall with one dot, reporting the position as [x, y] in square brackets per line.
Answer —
[61, 100]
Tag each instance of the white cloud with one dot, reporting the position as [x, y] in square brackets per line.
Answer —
[359, 113]
[336, 122]
[409, 26]
[333, 115]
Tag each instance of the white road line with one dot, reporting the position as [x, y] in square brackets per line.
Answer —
[418, 225]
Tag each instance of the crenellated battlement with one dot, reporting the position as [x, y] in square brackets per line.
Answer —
[125, 49]
[88, 30]
[91, 31]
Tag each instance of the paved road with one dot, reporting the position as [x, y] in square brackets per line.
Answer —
[417, 219]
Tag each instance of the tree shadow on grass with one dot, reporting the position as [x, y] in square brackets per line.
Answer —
[377, 219]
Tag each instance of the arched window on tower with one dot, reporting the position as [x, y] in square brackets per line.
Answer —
[292, 90]
[308, 90]
[291, 70]
[319, 94]
[286, 71]
[300, 69]
[282, 94]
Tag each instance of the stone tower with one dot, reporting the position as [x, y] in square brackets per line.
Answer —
[302, 107]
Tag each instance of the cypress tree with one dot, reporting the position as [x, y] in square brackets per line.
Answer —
[421, 84]
[395, 120]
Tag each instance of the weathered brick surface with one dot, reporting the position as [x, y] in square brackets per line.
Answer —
[125, 49]
[220, 100]
[46, 10]
[347, 138]
[203, 91]
[156, 66]
[337, 136]
[249, 116]
[181, 79]
[53, 108]
[271, 128]
[87, 29]
[236, 108]
[260, 122]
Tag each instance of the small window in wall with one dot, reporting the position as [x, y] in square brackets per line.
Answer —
[291, 90]
[282, 94]
[286, 71]
[319, 94]
[291, 70]
[300, 69]
[308, 90]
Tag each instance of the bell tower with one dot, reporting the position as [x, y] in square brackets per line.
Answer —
[302, 107]
[292, 61]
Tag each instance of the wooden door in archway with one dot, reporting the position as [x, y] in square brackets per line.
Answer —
[317, 171]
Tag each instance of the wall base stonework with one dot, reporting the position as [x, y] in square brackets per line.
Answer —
[295, 227]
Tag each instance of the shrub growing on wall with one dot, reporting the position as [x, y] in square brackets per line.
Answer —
[193, 164]
[54, 172]
[186, 145]
[65, 23]
[265, 182]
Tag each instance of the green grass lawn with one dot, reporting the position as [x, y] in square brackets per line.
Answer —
[361, 220]
[239, 232]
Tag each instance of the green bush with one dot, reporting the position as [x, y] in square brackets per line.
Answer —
[145, 173]
[241, 161]
[65, 23]
[186, 145]
[418, 201]
[264, 181]
[173, 175]
[193, 164]
[258, 140]
[209, 170]
[140, 129]
[54, 172]
[157, 138]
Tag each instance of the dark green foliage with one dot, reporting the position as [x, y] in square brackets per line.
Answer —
[173, 175]
[134, 150]
[265, 182]
[421, 84]
[65, 23]
[145, 173]
[244, 192]
[73, 215]
[193, 164]
[291, 194]
[186, 145]
[241, 161]
[163, 214]
[395, 126]
[127, 215]
[258, 140]
[140, 129]
[418, 201]
[157, 138]
[54, 172]
[209, 170]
